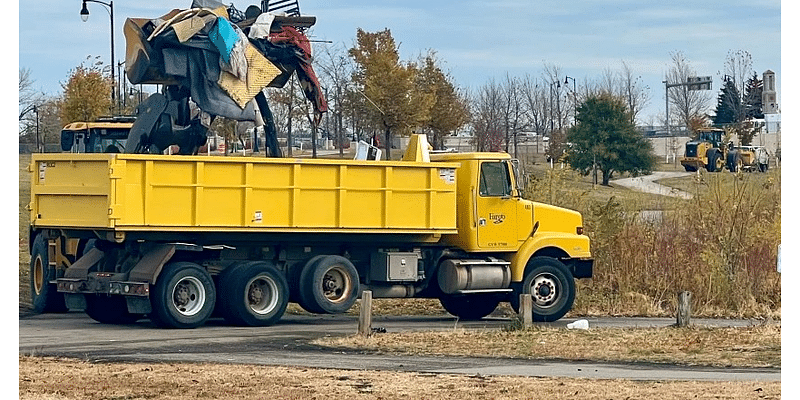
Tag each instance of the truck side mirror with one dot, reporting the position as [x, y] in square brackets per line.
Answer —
[519, 177]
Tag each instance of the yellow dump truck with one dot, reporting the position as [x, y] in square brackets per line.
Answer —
[177, 239]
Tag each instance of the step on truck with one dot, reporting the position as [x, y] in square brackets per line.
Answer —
[179, 239]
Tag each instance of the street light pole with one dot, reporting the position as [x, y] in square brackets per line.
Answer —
[85, 17]
[574, 98]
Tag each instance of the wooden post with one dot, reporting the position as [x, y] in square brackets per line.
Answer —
[365, 317]
[684, 308]
[526, 310]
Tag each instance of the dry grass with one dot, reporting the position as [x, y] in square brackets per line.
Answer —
[723, 347]
[49, 378]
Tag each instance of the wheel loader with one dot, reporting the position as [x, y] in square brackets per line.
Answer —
[706, 151]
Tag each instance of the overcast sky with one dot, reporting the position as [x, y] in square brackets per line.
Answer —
[476, 40]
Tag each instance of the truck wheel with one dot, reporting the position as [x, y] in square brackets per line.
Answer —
[734, 161]
[551, 286]
[44, 295]
[253, 294]
[715, 162]
[329, 286]
[470, 307]
[293, 277]
[763, 167]
[109, 310]
[183, 296]
[689, 168]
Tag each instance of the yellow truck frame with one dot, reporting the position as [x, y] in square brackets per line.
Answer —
[172, 238]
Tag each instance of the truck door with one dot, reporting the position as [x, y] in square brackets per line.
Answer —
[495, 207]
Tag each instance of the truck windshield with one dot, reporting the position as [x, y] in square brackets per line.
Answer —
[494, 180]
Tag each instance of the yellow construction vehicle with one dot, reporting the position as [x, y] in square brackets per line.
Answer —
[104, 135]
[707, 151]
[747, 158]
[129, 236]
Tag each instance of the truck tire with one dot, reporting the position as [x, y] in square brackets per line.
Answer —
[763, 167]
[689, 168]
[551, 286]
[44, 295]
[715, 163]
[293, 277]
[183, 296]
[329, 285]
[734, 161]
[109, 310]
[470, 307]
[253, 294]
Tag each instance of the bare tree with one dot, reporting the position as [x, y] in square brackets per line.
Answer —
[535, 97]
[512, 112]
[487, 117]
[336, 68]
[687, 103]
[634, 91]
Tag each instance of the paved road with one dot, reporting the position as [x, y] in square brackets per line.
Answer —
[647, 184]
[286, 344]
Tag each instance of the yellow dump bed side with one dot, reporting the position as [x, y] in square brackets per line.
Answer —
[127, 192]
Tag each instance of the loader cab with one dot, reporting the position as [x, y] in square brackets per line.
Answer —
[106, 135]
[713, 135]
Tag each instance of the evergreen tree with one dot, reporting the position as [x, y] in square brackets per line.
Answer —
[752, 98]
[606, 137]
[729, 105]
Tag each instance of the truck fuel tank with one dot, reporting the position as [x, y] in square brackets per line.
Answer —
[461, 275]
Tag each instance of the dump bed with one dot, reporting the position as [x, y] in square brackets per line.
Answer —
[132, 192]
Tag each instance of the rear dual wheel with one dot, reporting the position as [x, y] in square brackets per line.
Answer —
[253, 294]
[183, 296]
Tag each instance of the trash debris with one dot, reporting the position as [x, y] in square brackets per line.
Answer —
[579, 324]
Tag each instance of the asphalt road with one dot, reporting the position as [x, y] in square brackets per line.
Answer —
[287, 344]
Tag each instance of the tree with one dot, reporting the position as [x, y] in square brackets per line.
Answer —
[389, 85]
[605, 138]
[729, 105]
[686, 103]
[86, 95]
[487, 117]
[336, 69]
[449, 110]
[752, 98]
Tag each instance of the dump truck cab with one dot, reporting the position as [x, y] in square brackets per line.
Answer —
[493, 217]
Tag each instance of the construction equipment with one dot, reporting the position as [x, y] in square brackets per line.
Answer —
[129, 236]
[104, 135]
[707, 151]
[747, 158]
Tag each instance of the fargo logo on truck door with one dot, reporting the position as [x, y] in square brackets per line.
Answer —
[497, 218]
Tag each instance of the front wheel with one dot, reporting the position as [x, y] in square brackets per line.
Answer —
[253, 294]
[715, 161]
[470, 307]
[183, 296]
[551, 286]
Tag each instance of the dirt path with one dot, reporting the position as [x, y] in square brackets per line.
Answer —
[647, 184]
